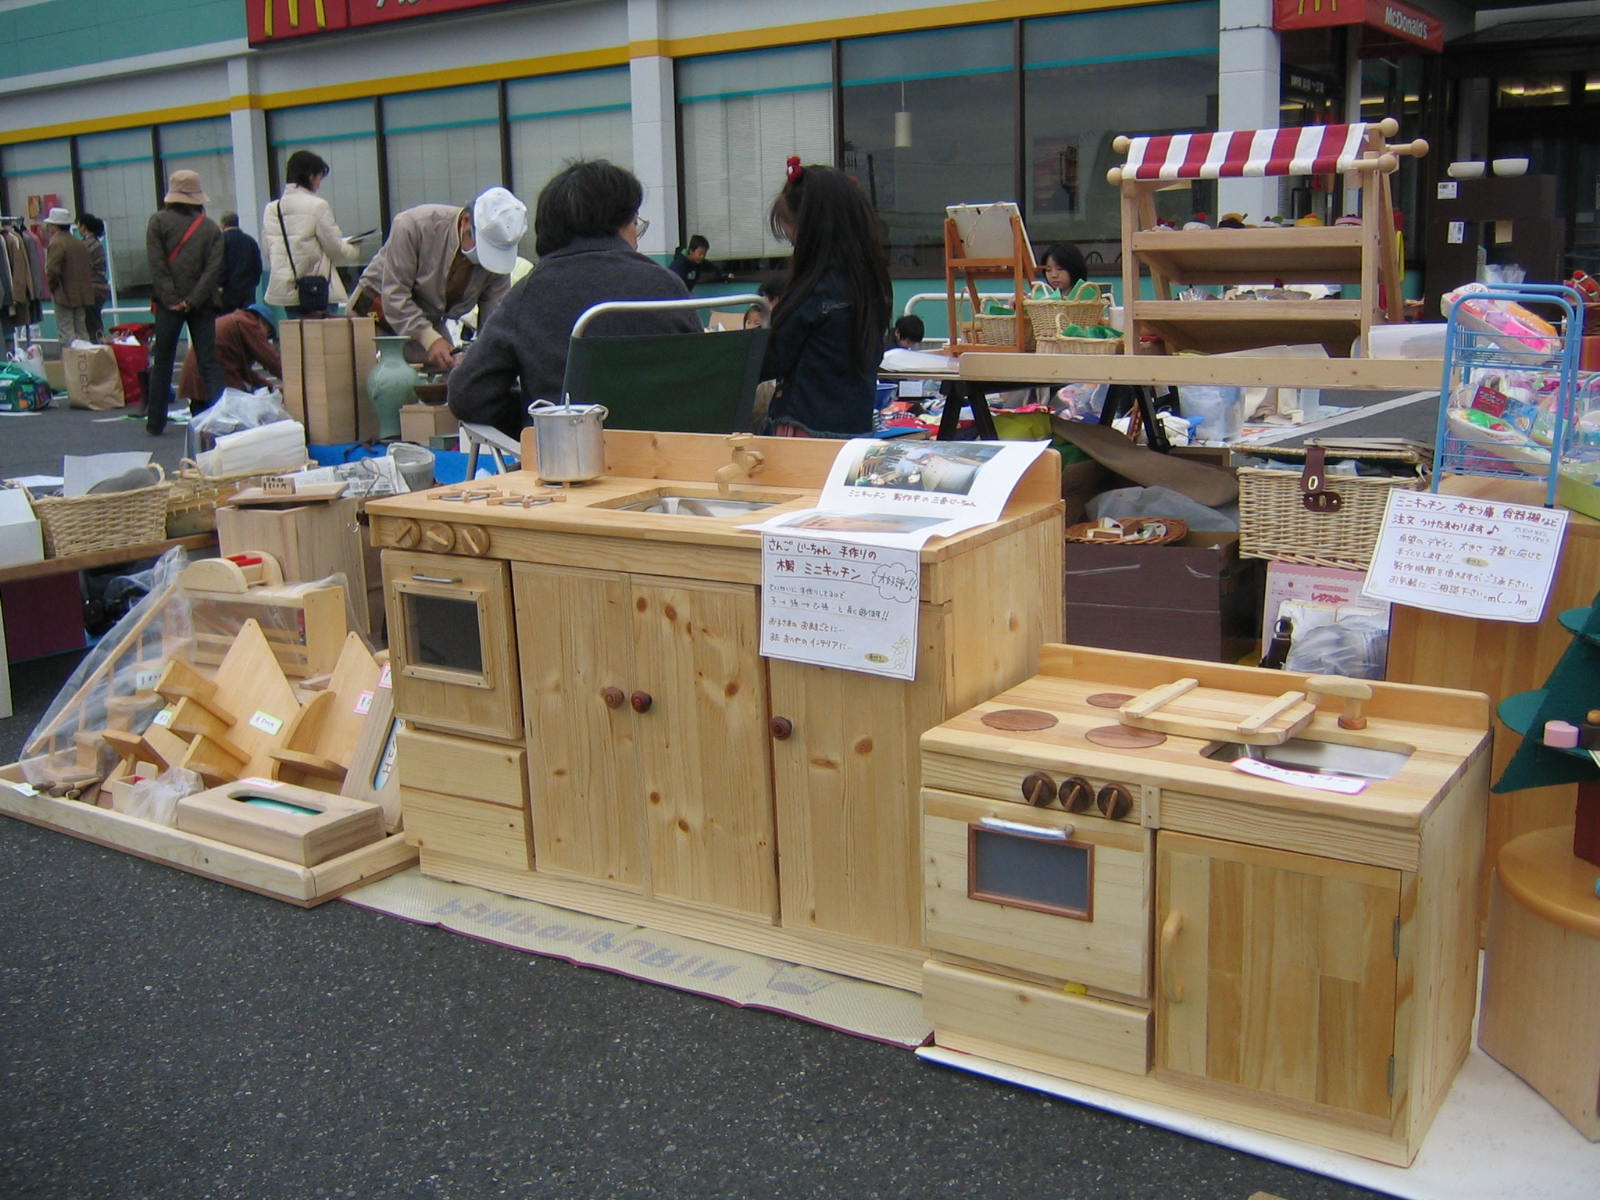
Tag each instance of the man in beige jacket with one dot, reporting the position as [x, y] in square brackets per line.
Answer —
[439, 263]
[70, 275]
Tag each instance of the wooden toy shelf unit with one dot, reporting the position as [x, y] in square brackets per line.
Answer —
[1366, 254]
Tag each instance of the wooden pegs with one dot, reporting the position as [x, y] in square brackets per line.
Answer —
[1354, 692]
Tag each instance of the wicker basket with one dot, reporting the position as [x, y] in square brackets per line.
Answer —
[1079, 345]
[995, 329]
[104, 521]
[1047, 316]
[192, 503]
[1275, 524]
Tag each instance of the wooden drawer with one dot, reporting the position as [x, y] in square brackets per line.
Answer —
[1039, 1020]
[485, 833]
[454, 766]
[991, 910]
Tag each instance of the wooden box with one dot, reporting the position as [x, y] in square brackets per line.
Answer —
[325, 366]
[421, 423]
[310, 542]
[281, 820]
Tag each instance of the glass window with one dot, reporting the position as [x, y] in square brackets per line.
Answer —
[1533, 91]
[442, 147]
[207, 147]
[344, 136]
[742, 116]
[117, 171]
[38, 175]
[929, 120]
[1092, 77]
[562, 117]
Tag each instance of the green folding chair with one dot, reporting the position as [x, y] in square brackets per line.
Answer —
[668, 383]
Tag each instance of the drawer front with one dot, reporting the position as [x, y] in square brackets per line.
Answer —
[1039, 1020]
[452, 645]
[1046, 892]
[486, 833]
[454, 766]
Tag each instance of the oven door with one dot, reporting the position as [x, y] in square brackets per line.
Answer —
[1056, 894]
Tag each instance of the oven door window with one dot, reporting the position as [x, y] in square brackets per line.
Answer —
[442, 632]
[1044, 871]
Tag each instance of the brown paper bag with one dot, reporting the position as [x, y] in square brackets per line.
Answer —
[93, 380]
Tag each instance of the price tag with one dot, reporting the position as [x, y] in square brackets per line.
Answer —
[266, 722]
[1323, 783]
[1448, 189]
[257, 781]
[383, 677]
[363, 704]
[164, 717]
[146, 678]
[1455, 232]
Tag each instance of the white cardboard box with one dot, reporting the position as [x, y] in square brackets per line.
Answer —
[21, 536]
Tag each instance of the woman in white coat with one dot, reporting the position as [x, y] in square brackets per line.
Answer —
[314, 237]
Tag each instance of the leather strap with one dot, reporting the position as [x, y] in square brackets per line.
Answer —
[1313, 484]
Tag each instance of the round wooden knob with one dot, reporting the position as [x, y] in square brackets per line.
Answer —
[1076, 793]
[1038, 789]
[1114, 801]
[781, 728]
[472, 539]
[407, 534]
[641, 701]
[436, 535]
[612, 696]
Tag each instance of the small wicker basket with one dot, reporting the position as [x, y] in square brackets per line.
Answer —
[1058, 343]
[103, 521]
[1047, 316]
[997, 329]
[192, 503]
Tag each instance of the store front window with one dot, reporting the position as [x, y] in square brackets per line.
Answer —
[37, 176]
[562, 117]
[442, 147]
[344, 136]
[117, 173]
[740, 117]
[207, 148]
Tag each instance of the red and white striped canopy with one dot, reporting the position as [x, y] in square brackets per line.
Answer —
[1310, 150]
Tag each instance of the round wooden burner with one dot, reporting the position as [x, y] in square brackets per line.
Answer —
[1123, 737]
[1109, 699]
[1018, 720]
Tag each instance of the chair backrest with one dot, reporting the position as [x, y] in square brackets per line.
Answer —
[669, 383]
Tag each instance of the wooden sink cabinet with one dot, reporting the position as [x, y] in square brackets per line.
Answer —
[1312, 955]
[672, 776]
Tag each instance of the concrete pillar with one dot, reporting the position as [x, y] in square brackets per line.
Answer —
[655, 142]
[1248, 93]
[251, 182]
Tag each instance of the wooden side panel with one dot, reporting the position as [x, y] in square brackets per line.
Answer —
[703, 757]
[1277, 974]
[847, 781]
[1036, 1019]
[456, 766]
[486, 833]
[583, 778]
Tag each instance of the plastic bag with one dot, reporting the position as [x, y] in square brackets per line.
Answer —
[155, 800]
[31, 359]
[234, 410]
[1348, 640]
[1219, 411]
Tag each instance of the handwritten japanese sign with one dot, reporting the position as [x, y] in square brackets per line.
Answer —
[1467, 557]
[840, 603]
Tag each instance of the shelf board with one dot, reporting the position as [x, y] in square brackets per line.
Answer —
[1227, 325]
[1255, 312]
[1213, 256]
[1398, 375]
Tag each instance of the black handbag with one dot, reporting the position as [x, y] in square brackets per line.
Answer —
[312, 290]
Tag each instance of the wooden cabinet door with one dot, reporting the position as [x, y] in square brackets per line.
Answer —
[575, 631]
[702, 738]
[1276, 974]
[847, 776]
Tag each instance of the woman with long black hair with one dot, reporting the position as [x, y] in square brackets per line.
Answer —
[828, 325]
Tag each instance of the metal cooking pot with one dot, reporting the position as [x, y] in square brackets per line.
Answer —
[570, 445]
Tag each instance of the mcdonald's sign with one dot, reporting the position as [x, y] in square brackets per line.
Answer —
[275, 20]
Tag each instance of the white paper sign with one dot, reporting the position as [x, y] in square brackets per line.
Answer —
[1466, 557]
[840, 604]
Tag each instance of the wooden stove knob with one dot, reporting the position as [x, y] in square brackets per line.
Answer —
[1038, 789]
[781, 728]
[1114, 801]
[436, 535]
[612, 696]
[472, 539]
[1076, 793]
[641, 701]
[407, 534]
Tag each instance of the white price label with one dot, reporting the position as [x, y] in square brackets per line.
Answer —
[266, 722]
[164, 717]
[146, 678]
[383, 677]
[363, 704]
[257, 781]
[1323, 783]
[1448, 189]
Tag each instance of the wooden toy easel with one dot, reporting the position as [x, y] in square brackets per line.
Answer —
[1016, 264]
[1367, 255]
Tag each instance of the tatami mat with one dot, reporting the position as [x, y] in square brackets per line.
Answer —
[866, 1010]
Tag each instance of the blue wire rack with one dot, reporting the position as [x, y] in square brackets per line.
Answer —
[1497, 413]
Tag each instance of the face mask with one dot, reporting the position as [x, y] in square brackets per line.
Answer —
[471, 255]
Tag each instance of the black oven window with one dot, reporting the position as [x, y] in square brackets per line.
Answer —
[1044, 873]
[443, 632]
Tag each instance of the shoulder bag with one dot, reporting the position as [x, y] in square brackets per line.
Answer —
[311, 290]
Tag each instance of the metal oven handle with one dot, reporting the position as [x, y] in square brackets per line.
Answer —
[436, 578]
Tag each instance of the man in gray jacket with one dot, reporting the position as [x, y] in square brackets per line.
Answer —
[439, 263]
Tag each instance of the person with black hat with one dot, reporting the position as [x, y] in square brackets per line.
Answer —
[184, 248]
[70, 276]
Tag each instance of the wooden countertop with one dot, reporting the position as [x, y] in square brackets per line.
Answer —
[1442, 729]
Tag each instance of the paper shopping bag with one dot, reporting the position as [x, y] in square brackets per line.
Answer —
[93, 380]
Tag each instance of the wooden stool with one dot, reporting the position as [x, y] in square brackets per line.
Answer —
[1541, 974]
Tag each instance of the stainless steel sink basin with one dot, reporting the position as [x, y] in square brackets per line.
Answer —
[696, 506]
[1320, 758]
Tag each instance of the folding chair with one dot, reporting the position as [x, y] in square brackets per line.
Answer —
[669, 383]
[498, 444]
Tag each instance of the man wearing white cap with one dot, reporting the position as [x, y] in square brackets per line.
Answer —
[70, 274]
[438, 263]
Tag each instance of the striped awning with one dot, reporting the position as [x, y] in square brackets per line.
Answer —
[1309, 150]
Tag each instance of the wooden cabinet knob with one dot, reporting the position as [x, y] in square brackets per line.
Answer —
[1076, 793]
[436, 535]
[612, 696]
[641, 701]
[1038, 789]
[1114, 801]
[781, 728]
[407, 534]
[472, 539]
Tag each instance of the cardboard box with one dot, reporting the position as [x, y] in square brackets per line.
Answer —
[21, 535]
[421, 423]
[325, 367]
[1195, 598]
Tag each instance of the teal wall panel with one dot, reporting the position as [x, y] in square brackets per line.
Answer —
[62, 34]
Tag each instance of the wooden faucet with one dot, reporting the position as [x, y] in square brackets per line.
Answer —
[746, 462]
[1353, 691]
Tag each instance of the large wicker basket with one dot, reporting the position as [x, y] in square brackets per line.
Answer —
[1274, 522]
[103, 521]
[997, 329]
[1047, 316]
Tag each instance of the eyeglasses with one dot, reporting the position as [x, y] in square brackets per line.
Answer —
[641, 224]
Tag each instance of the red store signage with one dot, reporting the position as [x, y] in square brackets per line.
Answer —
[270, 21]
[1384, 21]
